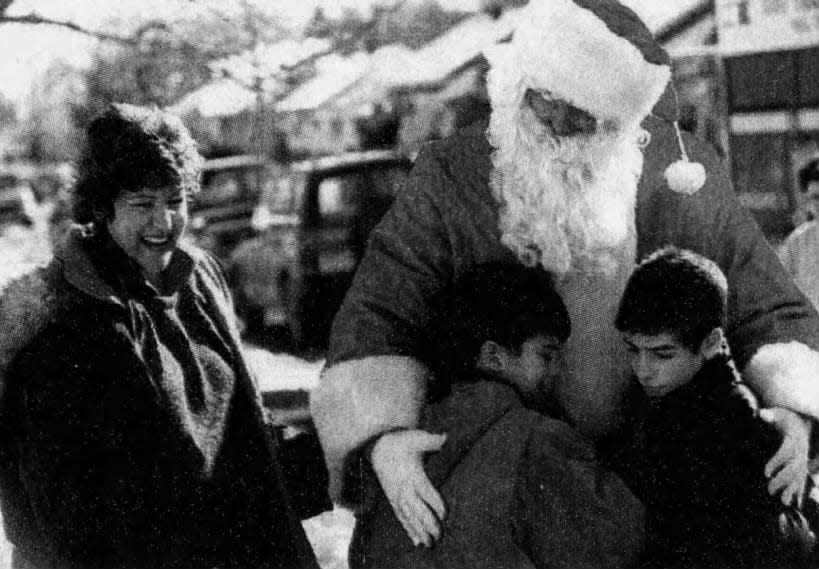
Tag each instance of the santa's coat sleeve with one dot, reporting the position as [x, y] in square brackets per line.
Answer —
[373, 380]
[772, 328]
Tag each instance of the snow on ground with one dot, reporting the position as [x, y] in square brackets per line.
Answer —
[22, 248]
[330, 534]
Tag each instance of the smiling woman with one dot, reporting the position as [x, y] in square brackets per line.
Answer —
[132, 430]
[147, 224]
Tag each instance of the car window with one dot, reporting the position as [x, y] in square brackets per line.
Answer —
[337, 196]
[279, 192]
[220, 187]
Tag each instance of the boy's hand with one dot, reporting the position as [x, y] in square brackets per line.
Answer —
[397, 459]
[790, 463]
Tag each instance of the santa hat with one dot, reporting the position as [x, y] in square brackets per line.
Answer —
[597, 55]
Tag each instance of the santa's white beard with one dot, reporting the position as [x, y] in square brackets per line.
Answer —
[565, 203]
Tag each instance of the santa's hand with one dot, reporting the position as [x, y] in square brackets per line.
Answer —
[397, 459]
[788, 469]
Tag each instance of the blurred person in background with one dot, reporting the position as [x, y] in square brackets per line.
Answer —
[132, 430]
[800, 251]
[581, 169]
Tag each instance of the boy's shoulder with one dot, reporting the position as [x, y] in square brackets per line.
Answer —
[727, 387]
[470, 405]
[472, 408]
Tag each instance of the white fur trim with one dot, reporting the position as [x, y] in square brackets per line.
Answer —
[786, 375]
[26, 306]
[358, 399]
[565, 49]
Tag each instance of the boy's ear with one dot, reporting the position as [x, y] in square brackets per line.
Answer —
[713, 344]
[491, 356]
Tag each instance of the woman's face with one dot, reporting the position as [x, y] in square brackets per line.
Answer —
[147, 224]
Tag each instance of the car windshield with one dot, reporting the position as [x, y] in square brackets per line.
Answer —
[224, 185]
[279, 193]
[347, 195]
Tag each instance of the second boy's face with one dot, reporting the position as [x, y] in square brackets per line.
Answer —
[534, 371]
[661, 363]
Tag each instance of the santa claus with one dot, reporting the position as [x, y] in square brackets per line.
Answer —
[581, 169]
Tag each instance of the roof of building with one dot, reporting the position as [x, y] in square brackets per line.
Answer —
[397, 66]
[334, 75]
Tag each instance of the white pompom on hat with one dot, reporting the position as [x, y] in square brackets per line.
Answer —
[684, 176]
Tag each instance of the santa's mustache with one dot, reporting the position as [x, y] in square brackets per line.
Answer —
[565, 202]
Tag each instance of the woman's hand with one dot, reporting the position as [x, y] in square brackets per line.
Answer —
[788, 469]
[397, 459]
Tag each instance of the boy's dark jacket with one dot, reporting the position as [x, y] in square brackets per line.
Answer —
[697, 458]
[522, 490]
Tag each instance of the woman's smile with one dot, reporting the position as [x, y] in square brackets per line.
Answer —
[148, 224]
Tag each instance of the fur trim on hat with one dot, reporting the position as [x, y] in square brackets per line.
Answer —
[786, 375]
[570, 52]
[359, 399]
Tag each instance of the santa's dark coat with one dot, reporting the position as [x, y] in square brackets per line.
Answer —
[445, 221]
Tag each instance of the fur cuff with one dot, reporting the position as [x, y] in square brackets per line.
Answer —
[786, 375]
[358, 399]
[26, 305]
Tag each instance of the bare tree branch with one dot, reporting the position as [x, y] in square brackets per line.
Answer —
[34, 18]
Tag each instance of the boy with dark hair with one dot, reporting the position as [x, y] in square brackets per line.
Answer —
[698, 440]
[522, 489]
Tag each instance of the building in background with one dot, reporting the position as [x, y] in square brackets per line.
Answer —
[746, 71]
[769, 52]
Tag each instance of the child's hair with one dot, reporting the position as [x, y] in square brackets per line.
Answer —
[503, 302]
[674, 291]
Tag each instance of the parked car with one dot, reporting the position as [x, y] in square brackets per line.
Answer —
[231, 188]
[312, 226]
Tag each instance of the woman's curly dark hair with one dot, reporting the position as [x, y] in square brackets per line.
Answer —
[127, 148]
